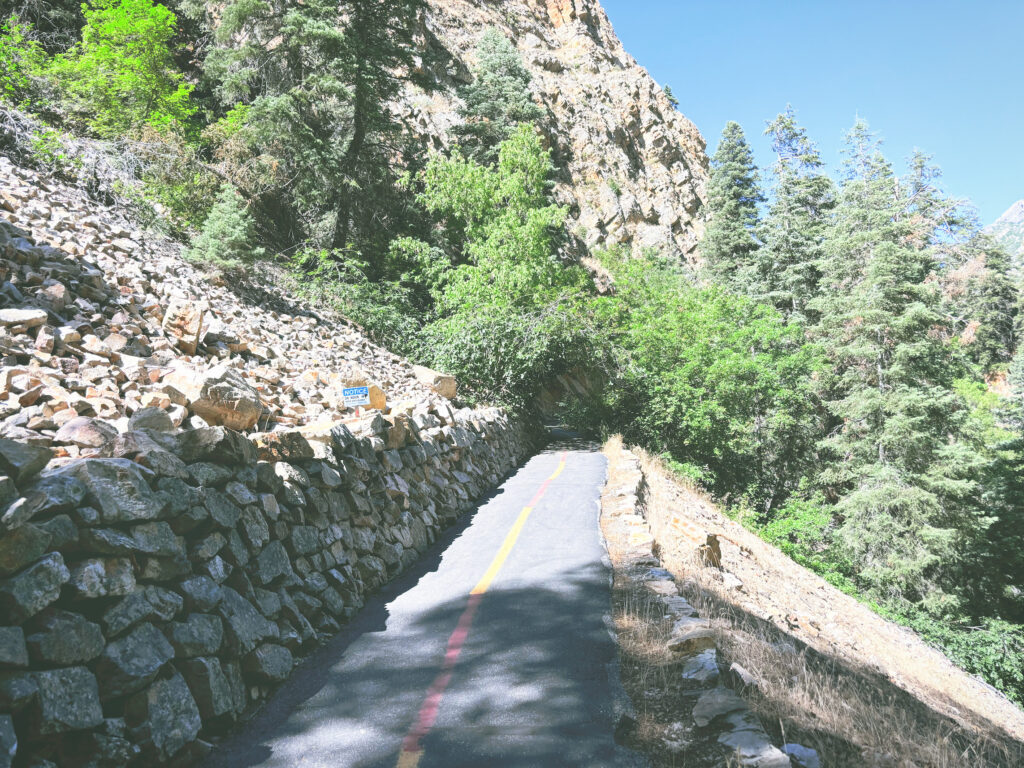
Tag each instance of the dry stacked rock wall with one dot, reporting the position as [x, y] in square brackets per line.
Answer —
[635, 168]
[188, 507]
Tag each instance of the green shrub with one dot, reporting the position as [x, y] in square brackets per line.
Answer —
[21, 59]
[122, 76]
[227, 239]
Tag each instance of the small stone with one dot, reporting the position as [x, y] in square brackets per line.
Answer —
[802, 757]
[222, 510]
[702, 668]
[67, 700]
[716, 703]
[102, 577]
[690, 639]
[33, 589]
[12, 648]
[183, 322]
[128, 664]
[62, 638]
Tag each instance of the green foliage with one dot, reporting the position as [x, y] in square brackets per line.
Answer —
[122, 75]
[716, 380]
[511, 316]
[21, 60]
[788, 267]
[730, 241]
[310, 131]
[385, 309]
[227, 239]
[497, 100]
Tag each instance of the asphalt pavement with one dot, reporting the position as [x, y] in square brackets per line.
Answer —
[492, 651]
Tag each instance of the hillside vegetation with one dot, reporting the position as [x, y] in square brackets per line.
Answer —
[829, 372]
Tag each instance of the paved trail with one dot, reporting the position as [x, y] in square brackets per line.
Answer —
[491, 652]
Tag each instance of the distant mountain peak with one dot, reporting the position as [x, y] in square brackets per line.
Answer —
[1008, 229]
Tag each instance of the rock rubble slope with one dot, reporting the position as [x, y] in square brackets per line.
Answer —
[188, 505]
[636, 168]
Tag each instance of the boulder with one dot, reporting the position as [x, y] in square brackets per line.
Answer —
[199, 635]
[201, 593]
[216, 444]
[8, 741]
[211, 688]
[22, 546]
[244, 626]
[183, 324]
[30, 318]
[118, 487]
[149, 603]
[22, 460]
[26, 594]
[86, 432]
[269, 663]
[156, 419]
[12, 648]
[702, 669]
[62, 638]
[222, 397]
[441, 383]
[128, 664]
[66, 700]
[102, 577]
[164, 718]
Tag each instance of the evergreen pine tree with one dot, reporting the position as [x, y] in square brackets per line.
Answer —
[497, 100]
[788, 268]
[901, 472]
[730, 242]
[227, 239]
[309, 87]
[994, 303]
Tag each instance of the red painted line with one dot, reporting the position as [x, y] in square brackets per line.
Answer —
[427, 716]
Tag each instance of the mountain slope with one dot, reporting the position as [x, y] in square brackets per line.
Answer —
[1008, 229]
[635, 168]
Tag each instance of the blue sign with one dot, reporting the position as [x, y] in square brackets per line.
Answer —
[354, 396]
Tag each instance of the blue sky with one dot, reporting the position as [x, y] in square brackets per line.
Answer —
[945, 77]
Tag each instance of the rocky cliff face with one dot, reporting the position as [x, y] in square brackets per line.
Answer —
[635, 169]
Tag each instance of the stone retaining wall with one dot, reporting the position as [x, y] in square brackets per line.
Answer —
[152, 598]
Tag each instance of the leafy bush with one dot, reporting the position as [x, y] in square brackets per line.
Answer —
[122, 76]
[21, 59]
[227, 239]
[511, 315]
[385, 309]
[715, 380]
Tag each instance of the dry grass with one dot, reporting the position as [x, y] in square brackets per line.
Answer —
[831, 674]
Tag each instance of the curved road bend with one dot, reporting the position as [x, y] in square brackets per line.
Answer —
[491, 652]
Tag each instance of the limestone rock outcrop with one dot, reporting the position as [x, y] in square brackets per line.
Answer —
[635, 169]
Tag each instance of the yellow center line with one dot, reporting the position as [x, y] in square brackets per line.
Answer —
[412, 751]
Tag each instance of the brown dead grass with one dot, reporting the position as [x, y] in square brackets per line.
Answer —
[832, 674]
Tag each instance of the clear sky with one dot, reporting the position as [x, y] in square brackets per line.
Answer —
[945, 77]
